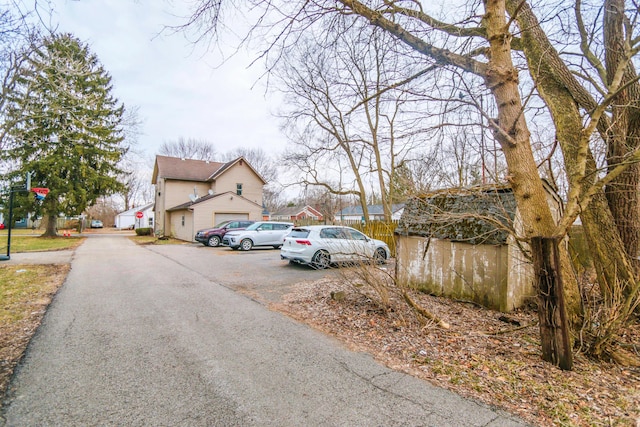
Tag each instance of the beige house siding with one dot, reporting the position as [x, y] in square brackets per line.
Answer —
[176, 179]
[159, 209]
[180, 229]
[241, 174]
[177, 192]
[174, 193]
[204, 213]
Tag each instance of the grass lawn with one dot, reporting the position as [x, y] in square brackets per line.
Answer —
[25, 293]
[153, 240]
[35, 243]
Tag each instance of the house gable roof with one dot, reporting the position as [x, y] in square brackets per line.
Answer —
[240, 160]
[297, 210]
[184, 169]
[136, 209]
[202, 199]
[194, 170]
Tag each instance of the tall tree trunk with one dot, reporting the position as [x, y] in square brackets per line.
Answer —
[624, 133]
[52, 229]
[563, 95]
[514, 138]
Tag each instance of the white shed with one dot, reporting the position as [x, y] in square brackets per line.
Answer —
[128, 219]
[457, 243]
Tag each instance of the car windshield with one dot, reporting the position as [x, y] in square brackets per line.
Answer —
[222, 224]
[254, 226]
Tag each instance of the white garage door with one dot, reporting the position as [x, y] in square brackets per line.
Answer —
[220, 217]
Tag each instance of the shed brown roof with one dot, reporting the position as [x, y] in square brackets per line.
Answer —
[185, 169]
[479, 215]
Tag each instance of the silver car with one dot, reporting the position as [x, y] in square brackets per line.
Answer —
[262, 233]
[322, 245]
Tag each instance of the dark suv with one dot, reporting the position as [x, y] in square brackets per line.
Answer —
[213, 236]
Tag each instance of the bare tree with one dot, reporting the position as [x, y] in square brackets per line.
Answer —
[337, 109]
[188, 149]
[273, 198]
[478, 41]
[17, 39]
[606, 198]
[138, 189]
[322, 200]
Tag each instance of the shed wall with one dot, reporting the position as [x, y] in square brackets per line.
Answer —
[491, 275]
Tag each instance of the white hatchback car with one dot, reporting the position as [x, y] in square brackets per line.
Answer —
[261, 233]
[322, 245]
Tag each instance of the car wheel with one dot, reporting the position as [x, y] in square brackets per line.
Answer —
[380, 256]
[213, 241]
[246, 245]
[321, 260]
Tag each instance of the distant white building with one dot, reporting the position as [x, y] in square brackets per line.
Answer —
[376, 213]
[128, 219]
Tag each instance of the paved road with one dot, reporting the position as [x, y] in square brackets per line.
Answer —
[259, 273]
[151, 341]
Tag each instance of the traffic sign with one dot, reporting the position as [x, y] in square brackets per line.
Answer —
[139, 214]
[39, 190]
[40, 193]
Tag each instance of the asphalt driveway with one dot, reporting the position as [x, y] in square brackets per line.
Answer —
[149, 336]
[259, 272]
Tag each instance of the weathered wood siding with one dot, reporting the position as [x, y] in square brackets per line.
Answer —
[490, 275]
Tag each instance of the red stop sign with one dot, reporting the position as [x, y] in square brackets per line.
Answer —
[139, 214]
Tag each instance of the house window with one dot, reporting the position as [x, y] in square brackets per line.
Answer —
[239, 189]
[183, 220]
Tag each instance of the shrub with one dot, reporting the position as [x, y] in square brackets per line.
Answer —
[71, 224]
[144, 231]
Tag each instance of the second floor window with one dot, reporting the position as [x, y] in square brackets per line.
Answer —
[239, 189]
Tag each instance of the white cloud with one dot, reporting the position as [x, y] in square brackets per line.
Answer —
[178, 92]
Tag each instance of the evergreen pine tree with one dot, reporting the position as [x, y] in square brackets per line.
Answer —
[65, 127]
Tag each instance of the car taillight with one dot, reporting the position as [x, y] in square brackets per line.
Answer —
[303, 242]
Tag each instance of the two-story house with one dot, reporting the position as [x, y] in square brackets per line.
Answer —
[195, 194]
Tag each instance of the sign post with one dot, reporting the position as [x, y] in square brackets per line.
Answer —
[139, 216]
[40, 194]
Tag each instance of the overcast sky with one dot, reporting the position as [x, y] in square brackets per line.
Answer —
[179, 92]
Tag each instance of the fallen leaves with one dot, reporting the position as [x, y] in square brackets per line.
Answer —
[479, 356]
